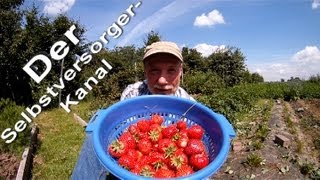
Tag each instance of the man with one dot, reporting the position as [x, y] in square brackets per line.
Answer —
[163, 67]
[163, 70]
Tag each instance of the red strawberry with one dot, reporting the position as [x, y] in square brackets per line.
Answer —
[155, 136]
[181, 125]
[145, 159]
[156, 159]
[169, 131]
[136, 169]
[142, 135]
[133, 129]
[155, 156]
[182, 140]
[155, 147]
[194, 146]
[178, 159]
[167, 146]
[195, 132]
[155, 127]
[164, 173]
[145, 146]
[143, 125]
[117, 148]
[184, 170]
[184, 132]
[147, 171]
[199, 161]
[135, 154]
[127, 162]
[129, 139]
[156, 119]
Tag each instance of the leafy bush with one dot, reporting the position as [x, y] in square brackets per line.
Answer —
[229, 101]
[315, 78]
[310, 90]
[202, 83]
[9, 115]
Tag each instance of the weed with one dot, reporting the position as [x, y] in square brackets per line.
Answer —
[315, 174]
[306, 168]
[262, 131]
[257, 145]
[254, 160]
[299, 146]
[317, 143]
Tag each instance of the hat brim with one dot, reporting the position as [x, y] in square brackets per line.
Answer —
[149, 54]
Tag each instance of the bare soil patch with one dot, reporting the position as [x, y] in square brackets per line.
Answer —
[9, 165]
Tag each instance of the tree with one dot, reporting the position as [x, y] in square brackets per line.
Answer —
[228, 64]
[25, 34]
[256, 77]
[193, 60]
[13, 83]
[151, 38]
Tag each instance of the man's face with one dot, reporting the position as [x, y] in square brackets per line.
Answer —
[163, 72]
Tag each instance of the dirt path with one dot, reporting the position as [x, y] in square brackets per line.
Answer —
[276, 161]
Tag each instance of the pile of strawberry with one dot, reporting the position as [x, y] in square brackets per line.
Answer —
[149, 149]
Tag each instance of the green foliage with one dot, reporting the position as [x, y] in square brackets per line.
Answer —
[230, 101]
[9, 115]
[317, 143]
[151, 38]
[193, 61]
[198, 82]
[47, 34]
[127, 68]
[12, 78]
[292, 92]
[254, 160]
[256, 145]
[229, 64]
[310, 90]
[247, 77]
[306, 168]
[262, 132]
[26, 34]
[315, 78]
[10, 4]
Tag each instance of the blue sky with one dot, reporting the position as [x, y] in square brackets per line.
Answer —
[279, 39]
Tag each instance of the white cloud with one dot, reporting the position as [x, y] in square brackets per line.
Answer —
[311, 54]
[214, 17]
[207, 49]
[302, 64]
[161, 17]
[315, 4]
[54, 7]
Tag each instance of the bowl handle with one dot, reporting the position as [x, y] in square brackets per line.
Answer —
[91, 124]
[228, 125]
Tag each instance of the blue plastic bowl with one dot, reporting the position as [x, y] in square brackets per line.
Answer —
[108, 124]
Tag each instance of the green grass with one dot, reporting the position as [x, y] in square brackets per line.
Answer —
[61, 138]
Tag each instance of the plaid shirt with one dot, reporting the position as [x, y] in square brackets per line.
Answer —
[141, 88]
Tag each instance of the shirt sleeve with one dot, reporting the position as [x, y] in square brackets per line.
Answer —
[182, 93]
[133, 90]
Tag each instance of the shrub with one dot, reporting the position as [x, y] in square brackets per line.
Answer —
[202, 82]
[9, 115]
